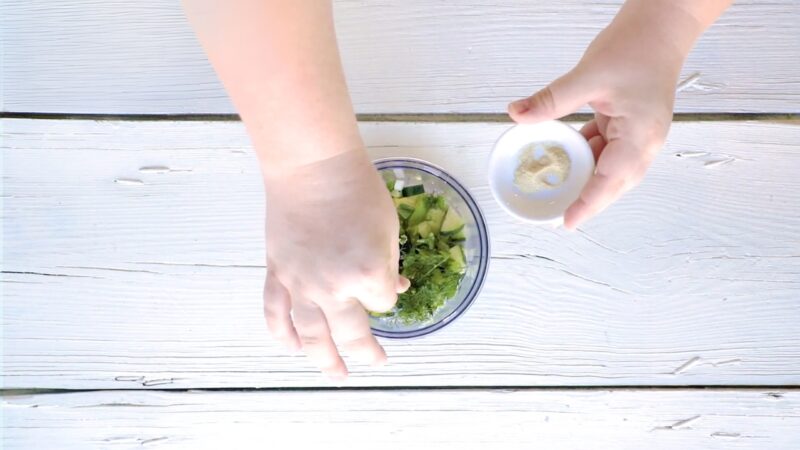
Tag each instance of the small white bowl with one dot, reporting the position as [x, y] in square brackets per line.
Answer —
[546, 206]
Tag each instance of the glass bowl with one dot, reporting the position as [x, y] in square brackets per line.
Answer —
[476, 245]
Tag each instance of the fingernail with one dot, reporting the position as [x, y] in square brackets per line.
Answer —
[337, 379]
[293, 345]
[572, 225]
[379, 362]
[570, 221]
[520, 106]
[403, 284]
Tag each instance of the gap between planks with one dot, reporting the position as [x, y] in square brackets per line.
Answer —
[776, 391]
[405, 117]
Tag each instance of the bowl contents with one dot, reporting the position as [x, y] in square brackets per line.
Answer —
[431, 252]
[444, 243]
[542, 166]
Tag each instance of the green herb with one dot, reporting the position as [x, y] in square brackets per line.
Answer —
[432, 284]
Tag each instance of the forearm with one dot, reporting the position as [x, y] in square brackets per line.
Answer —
[674, 25]
[279, 63]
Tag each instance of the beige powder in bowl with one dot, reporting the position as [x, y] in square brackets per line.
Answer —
[542, 166]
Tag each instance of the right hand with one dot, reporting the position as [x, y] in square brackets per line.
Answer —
[332, 253]
[629, 80]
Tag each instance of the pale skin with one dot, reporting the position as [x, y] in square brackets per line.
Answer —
[628, 76]
[279, 62]
[328, 257]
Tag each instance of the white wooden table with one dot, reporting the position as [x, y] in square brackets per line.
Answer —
[133, 255]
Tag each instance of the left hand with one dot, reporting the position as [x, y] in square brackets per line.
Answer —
[332, 253]
[629, 80]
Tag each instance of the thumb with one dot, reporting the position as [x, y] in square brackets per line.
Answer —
[563, 96]
[403, 284]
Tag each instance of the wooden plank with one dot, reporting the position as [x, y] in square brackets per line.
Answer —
[156, 279]
[553, 419]
[417, 56]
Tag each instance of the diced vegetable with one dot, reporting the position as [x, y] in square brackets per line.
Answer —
[435, 218]
[409, 191]
[458, 262]
[420, 211]
[404, 211]
[453, 223]
[408, 201]
[431, 252]
[424, 229]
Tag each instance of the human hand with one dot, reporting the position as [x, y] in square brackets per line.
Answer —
[628, 76]
[332, 251]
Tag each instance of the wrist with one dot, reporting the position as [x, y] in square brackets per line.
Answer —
[284, 149]
[665, 29]
[339, 168]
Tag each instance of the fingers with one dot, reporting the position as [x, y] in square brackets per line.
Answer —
[598, 193]
[350, 329]
[602, 125]
[597, 144]
[377, 289]
[589, 129]
[620, 166]
[591, 133]
[563, 96]
[315, 338]
[379, 294]
[394, 267]
[403, 284]
[278, 312]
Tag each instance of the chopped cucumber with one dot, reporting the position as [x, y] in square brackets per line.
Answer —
[404, 211]
[460, 236]
[440, 203]
[453, 223]
[435, 218]
[458, 262]
[424, 229]
[410, 191]
[411, 202]
[420, 211]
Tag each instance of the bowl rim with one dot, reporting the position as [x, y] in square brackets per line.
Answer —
[483, 242]
[554, 221]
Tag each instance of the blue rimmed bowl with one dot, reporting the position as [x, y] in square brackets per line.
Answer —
[476, 245]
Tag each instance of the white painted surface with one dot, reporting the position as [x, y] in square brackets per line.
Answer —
[463, 420]
[118, 56]
[692, 279]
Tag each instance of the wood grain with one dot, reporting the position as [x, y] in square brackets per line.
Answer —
[352, 420]
[154, 280]
[417, 56]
